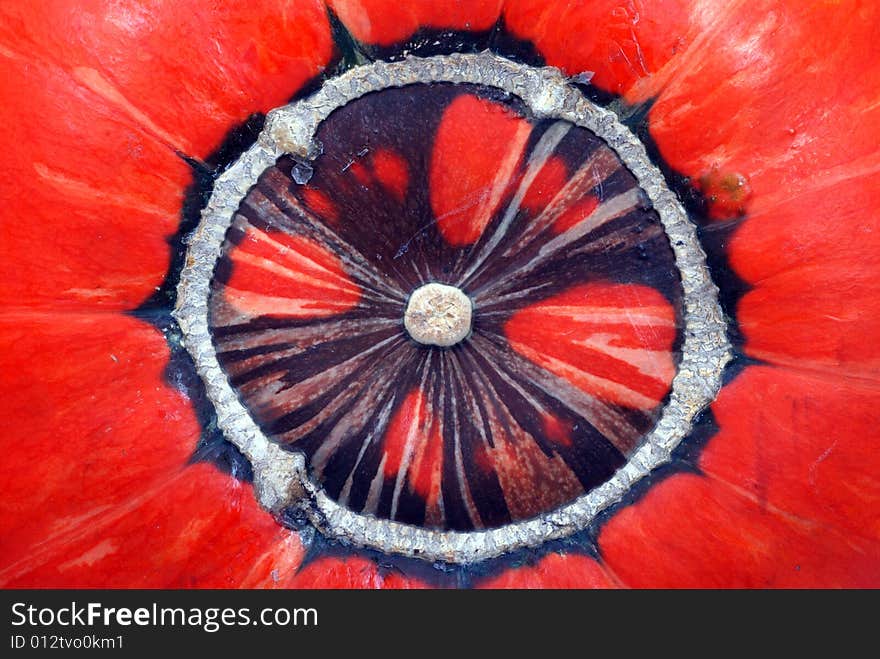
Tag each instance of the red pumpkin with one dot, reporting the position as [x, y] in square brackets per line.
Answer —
[768, 111]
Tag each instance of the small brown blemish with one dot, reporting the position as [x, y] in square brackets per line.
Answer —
[728, 193]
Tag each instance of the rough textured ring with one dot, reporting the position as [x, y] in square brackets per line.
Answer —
[281, 476]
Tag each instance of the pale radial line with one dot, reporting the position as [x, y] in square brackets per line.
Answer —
[423, 277]
[410, 439]
[598, 414]
[438, 418]
[574, 190]
[499, 414]
[275, 268]
[243, 353]
[380, 425]
[419, 230]
[634, 398]
[610, 315]
[483, 386]
[259, 360]
[97, 83]
[467, 392]
[303, 337]
[441, 415]
[290, 395]
[358, 416]
[343, 398]
[73, 188]
[265, 305]
[260, 235]
[367, 298]
[619, 240]
[423, 434]
[372, 502]
[488, 386]
[346, 251]
[539, 156]
[518, 438]
[522, 392]
[463, 485]
[486, 303]
[293, 255]
[394, 266]
[430, 276]
[612, 577]
[646, 361]
[604, 213]
[276, 216]
[415, 268]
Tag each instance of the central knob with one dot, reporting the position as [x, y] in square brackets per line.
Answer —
[438, 315]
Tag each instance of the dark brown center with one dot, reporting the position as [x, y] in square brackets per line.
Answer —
[338, 315]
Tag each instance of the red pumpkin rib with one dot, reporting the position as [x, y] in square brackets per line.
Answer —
[562, 571]
[386, 22]
[690, 531]
[93, 426]
[89, 197]
[817, 317]
[812, 262]
[351, 572]
[806, 446]
[775, 100]
[203, 529]
[185, 72]
[835, 222]
[618, 42]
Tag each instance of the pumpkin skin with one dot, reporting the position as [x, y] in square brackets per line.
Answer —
[766, 113]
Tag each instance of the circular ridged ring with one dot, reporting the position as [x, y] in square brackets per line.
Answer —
[281, 476]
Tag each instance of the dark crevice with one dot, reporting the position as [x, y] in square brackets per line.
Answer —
[439, 574]
[714, 235]
[636, 493]
[505, 44]
[350, 52]
[157, 308]
[428, 42]
[436, 575]
[215, 449]
[180, 372]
